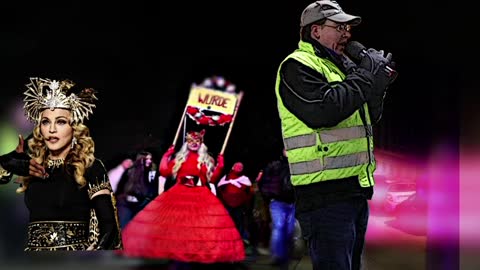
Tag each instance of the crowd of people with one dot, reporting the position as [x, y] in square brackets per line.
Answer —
[181, 212]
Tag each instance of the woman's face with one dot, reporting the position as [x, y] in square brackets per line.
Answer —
[148, 161]
[57, 131]
[193, 144]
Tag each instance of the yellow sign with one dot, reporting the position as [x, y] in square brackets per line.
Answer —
[213, 100]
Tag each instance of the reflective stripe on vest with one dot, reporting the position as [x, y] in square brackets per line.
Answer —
[327, 136]
[344, 134]
[329, 163]
[300, 141]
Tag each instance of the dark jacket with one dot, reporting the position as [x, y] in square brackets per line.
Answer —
[275, 182]
[139, 182]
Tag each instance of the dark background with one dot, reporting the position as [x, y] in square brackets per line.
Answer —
[142, 59]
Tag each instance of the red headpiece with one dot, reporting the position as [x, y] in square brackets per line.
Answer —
[195, 135]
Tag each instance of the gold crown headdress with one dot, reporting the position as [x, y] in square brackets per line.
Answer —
[50, 94]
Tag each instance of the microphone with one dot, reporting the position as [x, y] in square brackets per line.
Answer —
[357, 51]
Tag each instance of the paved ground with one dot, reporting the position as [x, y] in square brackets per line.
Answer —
[389, 248]
[390, 263]
[377, 258]
[405, 253]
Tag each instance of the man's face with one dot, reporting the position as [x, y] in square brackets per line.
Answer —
[332, 35]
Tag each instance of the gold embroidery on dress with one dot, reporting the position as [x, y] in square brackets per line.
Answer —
[93, 229]
[94, 188]
[57, 235]
[3, 172]
[119, 244]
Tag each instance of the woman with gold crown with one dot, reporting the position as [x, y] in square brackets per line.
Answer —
[187, 223]
[67, 192]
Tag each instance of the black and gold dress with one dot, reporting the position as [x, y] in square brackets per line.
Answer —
[65, 216]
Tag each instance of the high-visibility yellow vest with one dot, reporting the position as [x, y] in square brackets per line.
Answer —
[322, 154]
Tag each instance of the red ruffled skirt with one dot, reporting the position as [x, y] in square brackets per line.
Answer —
[185, 224]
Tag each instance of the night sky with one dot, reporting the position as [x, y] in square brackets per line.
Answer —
[142, 60]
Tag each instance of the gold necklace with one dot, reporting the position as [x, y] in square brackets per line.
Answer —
[55, 163]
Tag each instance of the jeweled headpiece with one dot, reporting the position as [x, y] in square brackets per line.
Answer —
[50, 94]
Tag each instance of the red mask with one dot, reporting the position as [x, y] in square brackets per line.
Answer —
[194, 140]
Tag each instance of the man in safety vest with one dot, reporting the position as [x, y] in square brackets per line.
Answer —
[327, 105]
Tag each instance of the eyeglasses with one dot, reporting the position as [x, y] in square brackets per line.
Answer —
[341, 27]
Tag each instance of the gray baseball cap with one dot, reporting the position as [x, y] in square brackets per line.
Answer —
[329, 9]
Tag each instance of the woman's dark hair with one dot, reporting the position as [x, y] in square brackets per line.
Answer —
[142, 155]
[137, 175]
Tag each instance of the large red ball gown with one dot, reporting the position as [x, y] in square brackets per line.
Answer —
[184, 223]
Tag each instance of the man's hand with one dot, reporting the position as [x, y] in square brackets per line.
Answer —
[382, 81]
[373, 60]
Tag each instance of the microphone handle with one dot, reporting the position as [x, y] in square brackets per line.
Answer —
[391, 72]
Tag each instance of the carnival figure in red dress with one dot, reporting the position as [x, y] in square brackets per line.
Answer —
[187, 222]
